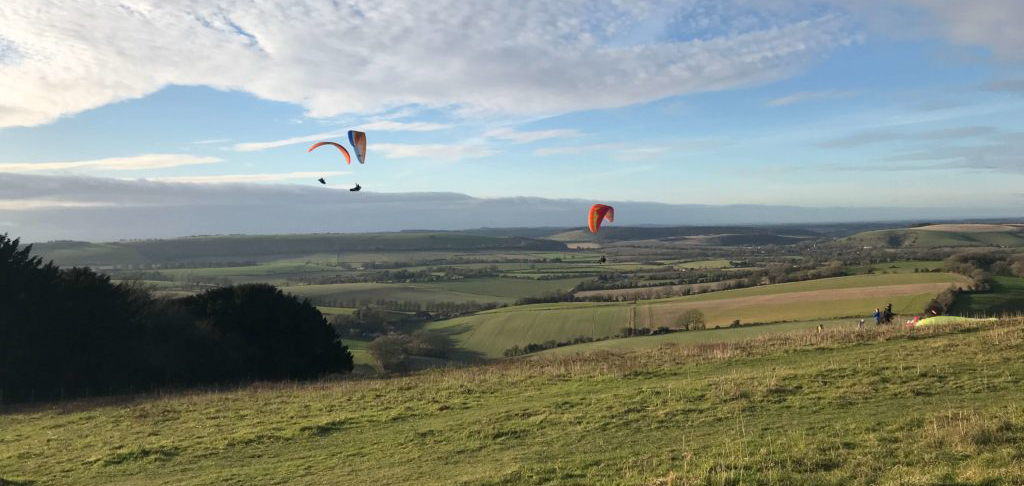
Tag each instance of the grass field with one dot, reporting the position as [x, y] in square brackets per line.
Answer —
[937, 406]
[491, 333]
[483, 290]
[1005, 297]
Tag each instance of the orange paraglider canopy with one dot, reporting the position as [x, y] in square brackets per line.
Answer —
[348, 158]
[599, 212]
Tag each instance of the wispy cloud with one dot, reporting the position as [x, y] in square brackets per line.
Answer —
[380, 126]
[641, 153]
[516, 136]
[576, 149]
[877, 136]
[805, 96]
[272, 177]
[37, 204]
[435, 151]
[254, 146]
[137, 162]
[1007, 86]
[393, 126]
[211, 141]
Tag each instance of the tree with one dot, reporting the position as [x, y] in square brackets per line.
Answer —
[266, 333]
[426, 343]
[691, 320]
[390, 352]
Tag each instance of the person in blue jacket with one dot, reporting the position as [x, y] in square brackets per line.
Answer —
[878, 317]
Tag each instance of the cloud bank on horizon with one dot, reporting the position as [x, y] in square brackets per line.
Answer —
[99, 209]
[909, 103]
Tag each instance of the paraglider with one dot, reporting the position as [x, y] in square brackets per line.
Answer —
[602, 260]
[357, 188]
[322, 181]
[599, 212]
[348, 158]
[358, 142]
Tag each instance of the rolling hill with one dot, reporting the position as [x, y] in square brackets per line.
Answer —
[243, 247]
[944, 235]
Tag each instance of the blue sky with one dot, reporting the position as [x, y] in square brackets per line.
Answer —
[915, 104]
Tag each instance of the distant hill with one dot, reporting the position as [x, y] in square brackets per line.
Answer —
[691, 235]
[242, 247]
[944, 235]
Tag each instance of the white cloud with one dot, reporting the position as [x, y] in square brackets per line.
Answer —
[504, 56]
[992, 23]
[435, 151]
[211, 141]
[138, 162]
[515, 136]
[273, 177]
[810, 96]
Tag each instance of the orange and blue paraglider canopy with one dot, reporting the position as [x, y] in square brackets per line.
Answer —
[358, 141]
[598, 213]
[348, 158]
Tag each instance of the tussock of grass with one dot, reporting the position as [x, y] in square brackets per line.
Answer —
[877, 406]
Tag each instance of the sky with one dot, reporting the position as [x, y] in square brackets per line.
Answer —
[906, 104]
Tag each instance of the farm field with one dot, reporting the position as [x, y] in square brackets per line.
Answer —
[933, 406]
[720, 335]
[492, 332]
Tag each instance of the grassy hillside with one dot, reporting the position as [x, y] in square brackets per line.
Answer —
[491, 333]
[932, 406]
[1005, 297]
[244, 247]
[934, 236]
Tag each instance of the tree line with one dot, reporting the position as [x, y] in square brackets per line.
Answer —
[72, 332]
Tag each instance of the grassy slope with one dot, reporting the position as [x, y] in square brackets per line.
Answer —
[492, 332]
[1006, 296]
[938, 406]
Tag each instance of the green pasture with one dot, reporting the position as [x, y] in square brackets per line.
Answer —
[719, 335]
[490, 333]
